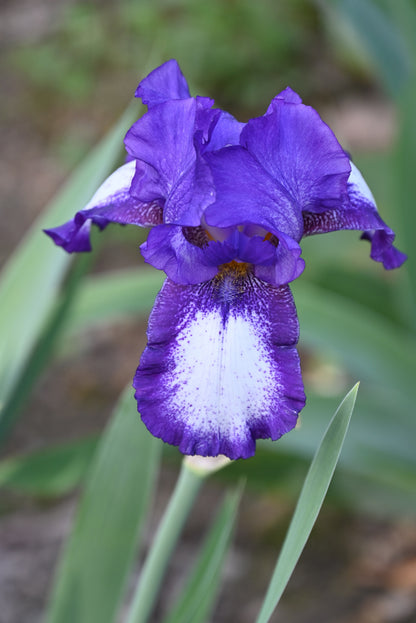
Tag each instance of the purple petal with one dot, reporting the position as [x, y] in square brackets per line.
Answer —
[73, 236]
[112, 203]
[240, 248]
[358, 212]
[167, 82]
[167, 249]
[382, 249]
[188, 256]
[225, 130]
[287, 95]
[300, 152]
[287, 265]
[169, 170]
[246, 193]
[221, 367]
[277, 265]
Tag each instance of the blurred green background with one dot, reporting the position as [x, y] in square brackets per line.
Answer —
[69, 344]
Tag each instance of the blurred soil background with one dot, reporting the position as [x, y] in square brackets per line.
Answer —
[68, 70]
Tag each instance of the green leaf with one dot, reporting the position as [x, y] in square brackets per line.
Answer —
[92, 575]
[369, 346]
[404, 157]
[44, 345]
[309, 503]
[113, 296]
[31, 280]
[53, 471]
[381, 39]
[379, 449]
[198, 596]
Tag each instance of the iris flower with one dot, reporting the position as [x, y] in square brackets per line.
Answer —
[227, 204]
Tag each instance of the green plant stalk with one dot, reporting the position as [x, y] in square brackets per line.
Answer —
[180, 504]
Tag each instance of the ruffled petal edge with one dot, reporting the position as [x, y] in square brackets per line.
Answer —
[221, 367]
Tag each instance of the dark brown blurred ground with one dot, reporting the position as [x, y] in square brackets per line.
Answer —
[355, 569]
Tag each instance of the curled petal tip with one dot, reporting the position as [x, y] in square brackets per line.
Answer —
[164, 83]
[113, 202]
[358, 211]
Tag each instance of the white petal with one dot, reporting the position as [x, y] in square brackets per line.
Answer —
[360, 185]
[118, 183]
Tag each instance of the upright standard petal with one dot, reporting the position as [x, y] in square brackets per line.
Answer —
[170, 170]
[221, 368]
[246, 193]
[300, 152]
[221, 129]
[112, 203]
[288, 95]
[358, 211]
[164, 83]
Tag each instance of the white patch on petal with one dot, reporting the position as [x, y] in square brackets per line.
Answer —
[224, 377]
[118, 183]
[360, 185]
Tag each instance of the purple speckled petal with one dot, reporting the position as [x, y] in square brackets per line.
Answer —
[221, 368]
[358, 212]
[169, 170]
[299, 151]
[166, 82]
[112, 203]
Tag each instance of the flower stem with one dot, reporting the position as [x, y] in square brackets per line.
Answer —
[170, 527]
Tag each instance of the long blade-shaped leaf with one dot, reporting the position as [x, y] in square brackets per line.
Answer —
[198, 596]
[53, 471]
[92, 576]
[30, 281]
[381, 39]
[43, 347]
[114, 295]
[405, 154]
[370, 346]
[310, 501]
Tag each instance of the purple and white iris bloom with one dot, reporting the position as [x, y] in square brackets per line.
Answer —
[227, 204]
